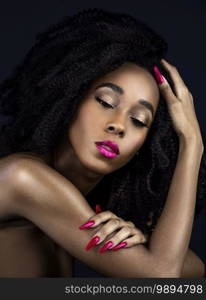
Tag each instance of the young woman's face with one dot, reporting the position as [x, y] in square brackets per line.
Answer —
[119, 107]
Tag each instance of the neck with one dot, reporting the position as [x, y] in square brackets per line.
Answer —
[67, 164]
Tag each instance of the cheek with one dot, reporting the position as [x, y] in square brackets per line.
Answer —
[135, 141]
[87, 120]
[84, 122]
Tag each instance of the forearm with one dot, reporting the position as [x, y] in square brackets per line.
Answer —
[171, 236]
[58, 208]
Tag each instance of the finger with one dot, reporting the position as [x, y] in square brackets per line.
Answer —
[172, 70]
[97, 219]
[118, 240]
[125, 230]
[130, 224]
[179, 84]
[124, 233]
[98, 209]
[107, 229]
[115, 240]
[130, 242]
[164, 87]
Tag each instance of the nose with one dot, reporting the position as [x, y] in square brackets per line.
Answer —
[117, 124]
[116, 128]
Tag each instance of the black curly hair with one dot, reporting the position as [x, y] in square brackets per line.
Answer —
[39, 99]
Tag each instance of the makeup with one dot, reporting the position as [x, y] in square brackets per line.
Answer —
[158, 75]
[98, 209]
[92, 242]
[87, 224]
[106, 247]
[106, 152]
[107, 148]
[119, 246]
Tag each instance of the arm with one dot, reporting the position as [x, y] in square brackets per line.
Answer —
[179, 209]
[193, 266]
[55, 205]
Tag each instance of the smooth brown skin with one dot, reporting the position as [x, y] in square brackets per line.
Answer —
[61, 189]
[77, 158]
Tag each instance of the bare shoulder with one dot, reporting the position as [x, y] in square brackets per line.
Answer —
[15, 158]
[47, 257]
[8, 167]
[14, 164]
[14, 168]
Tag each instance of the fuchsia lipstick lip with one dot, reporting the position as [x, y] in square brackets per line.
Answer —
[107, 148]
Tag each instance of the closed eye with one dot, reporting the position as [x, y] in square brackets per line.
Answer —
[103, 103]
[138, 123]
[106, 105]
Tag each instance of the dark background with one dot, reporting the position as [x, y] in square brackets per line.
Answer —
[181, 23]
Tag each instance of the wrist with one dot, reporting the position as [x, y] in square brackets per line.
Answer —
[192, 144]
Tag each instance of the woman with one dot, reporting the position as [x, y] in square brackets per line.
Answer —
[92, 120]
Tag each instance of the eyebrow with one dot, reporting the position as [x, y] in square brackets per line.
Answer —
[117, 89]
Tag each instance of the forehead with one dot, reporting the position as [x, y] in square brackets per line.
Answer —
[136, 82]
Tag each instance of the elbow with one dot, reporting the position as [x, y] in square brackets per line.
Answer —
[165, 270]
[163, 274]
[168, 274]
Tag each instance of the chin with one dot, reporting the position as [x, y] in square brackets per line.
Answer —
[98, 166]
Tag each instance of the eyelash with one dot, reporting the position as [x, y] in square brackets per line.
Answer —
[106, 105]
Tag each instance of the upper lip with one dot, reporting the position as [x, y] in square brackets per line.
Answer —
[110, 144]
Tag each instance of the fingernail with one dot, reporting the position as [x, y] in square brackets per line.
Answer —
[158, 75]
[93, 242]
[98, 208]
[86, 225]
[106, 246]
[121, 245]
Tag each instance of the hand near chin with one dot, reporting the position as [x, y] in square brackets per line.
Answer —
[123, 234]
[180, 104]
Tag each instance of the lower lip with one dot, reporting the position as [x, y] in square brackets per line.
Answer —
[106, 152]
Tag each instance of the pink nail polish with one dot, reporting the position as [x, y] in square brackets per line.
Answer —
[158, 75]
[86, 225]
[121, 245]
[93, 242]
[98, 208]
[106, 246]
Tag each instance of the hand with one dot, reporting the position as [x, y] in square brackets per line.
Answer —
[180, 103]
[128, 235]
